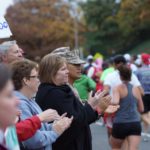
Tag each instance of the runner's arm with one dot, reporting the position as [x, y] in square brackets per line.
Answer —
[116, 96]
[136, 82]
[138, 96]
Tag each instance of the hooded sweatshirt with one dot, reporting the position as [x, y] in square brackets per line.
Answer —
[45, 136]
[62, 98]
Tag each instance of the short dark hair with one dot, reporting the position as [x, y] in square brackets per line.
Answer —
[22, 69]
[119, 59]
[5, 75]
[125, 72]
[105, 65]
[111, 61]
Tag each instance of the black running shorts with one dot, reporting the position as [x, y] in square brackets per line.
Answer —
[146, 101]
[123, 130]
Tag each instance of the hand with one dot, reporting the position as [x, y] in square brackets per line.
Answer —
[18, 113]
[48, 115]
[104, 103]
[112, 109]
[62, 124]
[94, 101]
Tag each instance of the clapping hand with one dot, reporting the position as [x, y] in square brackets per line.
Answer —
[62, 124]
[112, 109]
[48, 115]
[104, 103]
[100, 100]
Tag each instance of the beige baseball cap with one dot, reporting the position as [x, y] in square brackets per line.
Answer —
[72, 57]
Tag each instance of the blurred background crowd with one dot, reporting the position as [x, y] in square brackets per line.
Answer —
[101, 46]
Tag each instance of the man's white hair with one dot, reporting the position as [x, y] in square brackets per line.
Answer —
[5, 47]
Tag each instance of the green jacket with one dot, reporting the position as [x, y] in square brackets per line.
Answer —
[84, 85]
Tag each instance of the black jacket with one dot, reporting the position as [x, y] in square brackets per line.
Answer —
[62, 99]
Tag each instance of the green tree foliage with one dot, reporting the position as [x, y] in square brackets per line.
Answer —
[116, 27]
[102, 25]
[134, 21]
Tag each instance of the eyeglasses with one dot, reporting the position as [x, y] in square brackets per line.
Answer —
[34, 77]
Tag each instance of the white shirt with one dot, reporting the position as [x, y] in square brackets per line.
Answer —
[91, 72]
[113, 80]
[133, 68]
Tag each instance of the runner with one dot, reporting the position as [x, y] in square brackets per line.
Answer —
[126, 123]
[143, 75]
[112, 80]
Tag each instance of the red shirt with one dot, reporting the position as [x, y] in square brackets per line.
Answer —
[27, 128]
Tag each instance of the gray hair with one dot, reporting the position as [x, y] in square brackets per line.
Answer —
[4, 48]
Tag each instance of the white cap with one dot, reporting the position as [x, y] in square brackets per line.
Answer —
[127, 57]
[89, 57]
[138, 61]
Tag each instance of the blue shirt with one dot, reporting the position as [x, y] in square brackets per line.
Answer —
[143, 75]
[45, 136]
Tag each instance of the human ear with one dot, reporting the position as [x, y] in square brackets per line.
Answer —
[25, 81]
[4, 58]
